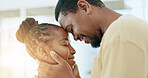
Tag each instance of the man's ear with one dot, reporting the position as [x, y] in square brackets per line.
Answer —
[85, 6]
[42, 52]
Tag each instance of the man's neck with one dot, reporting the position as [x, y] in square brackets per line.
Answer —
[109, 17]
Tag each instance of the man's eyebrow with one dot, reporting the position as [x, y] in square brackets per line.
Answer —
[64, 39]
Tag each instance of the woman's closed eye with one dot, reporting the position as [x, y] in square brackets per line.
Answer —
[65, 45]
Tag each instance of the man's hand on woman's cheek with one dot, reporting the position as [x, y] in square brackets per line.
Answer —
[61, 70]
[76, 71]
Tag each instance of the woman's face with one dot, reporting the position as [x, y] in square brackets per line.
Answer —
[61, 45]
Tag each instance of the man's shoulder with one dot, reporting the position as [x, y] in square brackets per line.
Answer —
[130, 20]
[131, 28]
[127, 27]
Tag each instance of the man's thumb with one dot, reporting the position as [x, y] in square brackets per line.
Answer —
[57, 57]
[76, 71]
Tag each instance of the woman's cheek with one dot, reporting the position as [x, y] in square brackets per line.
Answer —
[63, 51]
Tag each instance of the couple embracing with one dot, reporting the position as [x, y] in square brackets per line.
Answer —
[123, 41]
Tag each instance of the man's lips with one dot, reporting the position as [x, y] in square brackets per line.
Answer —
[86, 39]
[80, 38]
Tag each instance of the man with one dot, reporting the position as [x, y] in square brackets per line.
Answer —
[124, 39]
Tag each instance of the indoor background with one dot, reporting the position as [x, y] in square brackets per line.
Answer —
[15, 61]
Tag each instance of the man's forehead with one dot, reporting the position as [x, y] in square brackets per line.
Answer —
[59, 18]
[63, 20]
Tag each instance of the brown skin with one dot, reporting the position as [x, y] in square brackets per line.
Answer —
[60, 70]
[88, 21]
[84, 24]
[59, 44]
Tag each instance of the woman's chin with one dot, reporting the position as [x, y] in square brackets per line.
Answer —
[71, 62]
[71, 65]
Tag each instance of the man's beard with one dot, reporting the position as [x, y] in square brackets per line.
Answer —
[96, 40]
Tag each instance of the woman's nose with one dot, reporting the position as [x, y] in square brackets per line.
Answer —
[72, 50]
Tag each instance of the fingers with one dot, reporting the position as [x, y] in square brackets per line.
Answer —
[57, 58]
[44, 68]
[76, 71]
[42, 75]
[44, 64]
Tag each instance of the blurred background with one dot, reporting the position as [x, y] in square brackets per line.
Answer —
[14, 60]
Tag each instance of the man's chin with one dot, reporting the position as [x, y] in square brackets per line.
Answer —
[95, 45]
[94, 41]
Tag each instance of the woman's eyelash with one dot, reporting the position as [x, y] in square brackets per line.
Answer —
[65, 45]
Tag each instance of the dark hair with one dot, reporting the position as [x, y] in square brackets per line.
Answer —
[31, 34]
[70, 6]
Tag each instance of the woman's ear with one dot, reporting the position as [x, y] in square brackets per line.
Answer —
[85, 6]
[42, 52]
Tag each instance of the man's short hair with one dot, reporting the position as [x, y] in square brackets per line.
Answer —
[70, 6]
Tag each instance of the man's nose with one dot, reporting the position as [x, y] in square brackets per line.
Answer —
[75, 37]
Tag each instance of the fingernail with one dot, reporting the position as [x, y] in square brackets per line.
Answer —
[52, 53]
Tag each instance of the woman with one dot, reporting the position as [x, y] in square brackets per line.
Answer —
[40, 39]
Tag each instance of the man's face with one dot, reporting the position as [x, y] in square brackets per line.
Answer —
[82, 27]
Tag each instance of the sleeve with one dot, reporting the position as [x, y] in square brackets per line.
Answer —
[123, 59]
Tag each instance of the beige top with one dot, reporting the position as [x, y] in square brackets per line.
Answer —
[124, 50]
